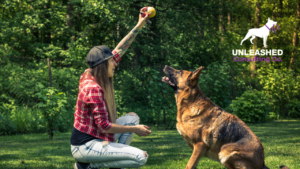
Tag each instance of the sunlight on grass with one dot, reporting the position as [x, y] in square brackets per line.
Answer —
[166, 149]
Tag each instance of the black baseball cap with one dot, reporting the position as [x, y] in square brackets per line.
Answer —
[98, 54]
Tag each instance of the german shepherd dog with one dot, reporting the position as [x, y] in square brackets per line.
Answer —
[208, 129]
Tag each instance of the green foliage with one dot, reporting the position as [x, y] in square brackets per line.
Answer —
[18, 78]
[7, 126]
[20, 119]
[52, 105]
[281, 87]
[294, 108]
[184, 34]
[251, 107]
[215, 83]
[143, 92]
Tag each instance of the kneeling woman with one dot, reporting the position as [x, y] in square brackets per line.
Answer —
[96, 129]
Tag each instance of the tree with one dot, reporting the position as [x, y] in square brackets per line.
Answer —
[295, 39]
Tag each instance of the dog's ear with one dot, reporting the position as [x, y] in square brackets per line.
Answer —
[268, 19]
[195, 75]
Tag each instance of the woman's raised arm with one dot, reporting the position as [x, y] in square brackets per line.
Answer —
[128, 39]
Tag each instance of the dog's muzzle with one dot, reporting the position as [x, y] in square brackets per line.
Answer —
[167, 80]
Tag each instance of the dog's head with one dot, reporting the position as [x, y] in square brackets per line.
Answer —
[180, 79]
[272, 23]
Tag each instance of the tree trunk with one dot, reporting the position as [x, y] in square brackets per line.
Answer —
[280, 8]
[47, 30]
[137, 53]
[70, 10]
[229, 21]
[273, 11]
[295, 40]
[162, 93]
[256, 25]
[249, 19]
[136, 49]
[221, 26]
[153, 29]
[70, 21]
[232, 87]
[47, 40]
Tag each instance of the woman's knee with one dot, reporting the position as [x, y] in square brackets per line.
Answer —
[143, 160]
[135, 118]
[133, 113]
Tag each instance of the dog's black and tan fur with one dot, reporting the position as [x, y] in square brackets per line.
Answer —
[208, 129]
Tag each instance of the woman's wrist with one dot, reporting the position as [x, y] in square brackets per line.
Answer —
[133, 129]
[139, 26]
[130, 129]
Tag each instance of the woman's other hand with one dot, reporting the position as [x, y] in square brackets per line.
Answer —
[142, 20]
[142, 130]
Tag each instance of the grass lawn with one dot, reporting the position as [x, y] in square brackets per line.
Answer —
[166, 149]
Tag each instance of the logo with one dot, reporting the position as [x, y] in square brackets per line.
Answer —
[258, 53]
[262, 32]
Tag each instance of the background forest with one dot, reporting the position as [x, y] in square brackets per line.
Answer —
[44, 43]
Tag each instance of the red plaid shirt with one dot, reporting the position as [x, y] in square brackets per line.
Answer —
[91, 113]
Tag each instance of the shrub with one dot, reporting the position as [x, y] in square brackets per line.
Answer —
[281, 87]
[20, 119]
[251, 107]
[52, 104]
[294, 108]
[7, 126]
[141, 92]
[215, 83]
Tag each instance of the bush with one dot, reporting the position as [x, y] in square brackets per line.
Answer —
[141, 92]
[20, 119]
[7, 126]
[251, 107]
[18, 99]
[293, 108]
[281, 87]
[52, 104]
[16, 119]
[215, 83]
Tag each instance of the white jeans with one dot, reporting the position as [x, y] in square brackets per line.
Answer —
[114, 155]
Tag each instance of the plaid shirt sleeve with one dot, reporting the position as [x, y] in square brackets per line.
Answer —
[96, 100]
[117, 57]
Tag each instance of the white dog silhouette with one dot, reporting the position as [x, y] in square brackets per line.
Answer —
[262, 32]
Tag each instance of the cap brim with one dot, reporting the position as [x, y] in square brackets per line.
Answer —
[112, 55]
[105, 59]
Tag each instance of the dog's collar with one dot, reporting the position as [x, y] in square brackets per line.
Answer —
[268, 27]
[273, 27]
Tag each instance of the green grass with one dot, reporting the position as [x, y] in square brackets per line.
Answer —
[166, 148]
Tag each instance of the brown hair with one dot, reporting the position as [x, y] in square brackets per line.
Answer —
[100, 73]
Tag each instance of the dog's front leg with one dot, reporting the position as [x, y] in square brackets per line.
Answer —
[265, 41]
[199, 150]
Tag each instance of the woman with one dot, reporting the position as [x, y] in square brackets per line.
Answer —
[96, 128]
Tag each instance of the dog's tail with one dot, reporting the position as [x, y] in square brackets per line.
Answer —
[281, 167]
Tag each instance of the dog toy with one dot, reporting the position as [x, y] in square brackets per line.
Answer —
[151, 11]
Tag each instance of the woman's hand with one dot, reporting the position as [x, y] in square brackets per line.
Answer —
[122, 47]
[142, 20]
[142, 130]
